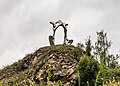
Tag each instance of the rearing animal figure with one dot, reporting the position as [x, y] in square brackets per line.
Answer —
[55, 26]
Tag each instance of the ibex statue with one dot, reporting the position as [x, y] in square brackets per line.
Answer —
[55, 26]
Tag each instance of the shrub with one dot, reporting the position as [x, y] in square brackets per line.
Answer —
[88, 69]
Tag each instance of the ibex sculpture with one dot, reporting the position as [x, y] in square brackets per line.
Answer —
[55, 26]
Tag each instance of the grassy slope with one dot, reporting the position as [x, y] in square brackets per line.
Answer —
[24, 69]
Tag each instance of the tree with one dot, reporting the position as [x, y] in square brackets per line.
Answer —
[101, 50]
[88, 47]
[88, 68]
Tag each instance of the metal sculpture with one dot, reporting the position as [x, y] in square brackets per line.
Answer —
[55, 26]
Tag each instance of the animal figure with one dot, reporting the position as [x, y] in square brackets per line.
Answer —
[64, 25]
[55, 26]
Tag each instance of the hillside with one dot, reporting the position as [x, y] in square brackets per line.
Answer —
[57, 62]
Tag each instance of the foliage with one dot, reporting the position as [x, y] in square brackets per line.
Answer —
[112, 82]
[102, 46]
[88, 46]
[88, 69]
[30, 83]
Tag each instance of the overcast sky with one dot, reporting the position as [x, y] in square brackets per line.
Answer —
[24, 24]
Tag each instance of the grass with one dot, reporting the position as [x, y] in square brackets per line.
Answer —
[112, 82]
[59, 83]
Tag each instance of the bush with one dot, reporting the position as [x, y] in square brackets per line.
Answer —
[88, 69]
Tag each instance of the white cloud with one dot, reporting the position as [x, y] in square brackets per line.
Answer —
[84, 22]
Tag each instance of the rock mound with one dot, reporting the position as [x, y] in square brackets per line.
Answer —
[53, 63]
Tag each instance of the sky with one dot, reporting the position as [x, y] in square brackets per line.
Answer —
[24, 24]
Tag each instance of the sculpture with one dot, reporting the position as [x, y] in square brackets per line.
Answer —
[55, 26]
